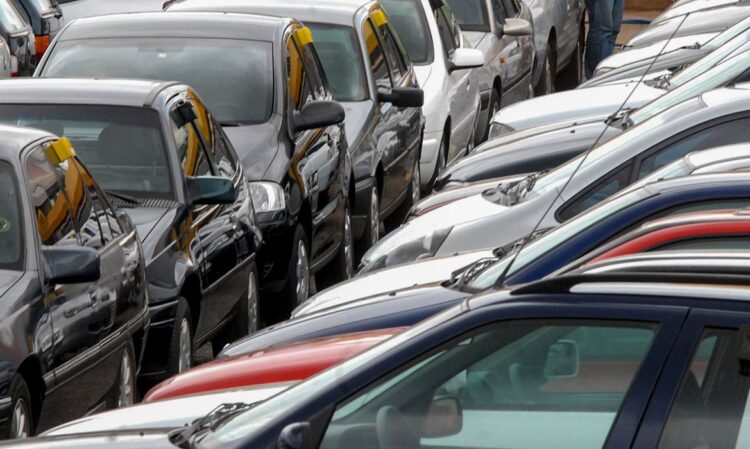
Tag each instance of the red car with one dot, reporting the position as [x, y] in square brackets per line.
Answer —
[293, 362]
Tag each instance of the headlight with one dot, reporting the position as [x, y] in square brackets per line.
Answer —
[499, 130]
[403, 245]
[602, 70]
[267, 196]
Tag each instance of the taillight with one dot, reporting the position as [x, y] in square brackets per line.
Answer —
[41, 44]
[14, 66]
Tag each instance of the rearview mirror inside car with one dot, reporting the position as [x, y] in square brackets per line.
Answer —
[318, 114]
[71, 265]
[295, 436]
[465, 58]
[517, 27]
[444, 418]
[563, 360]
[211, 190]
[402, 97]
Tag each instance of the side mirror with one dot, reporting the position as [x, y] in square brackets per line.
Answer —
[71, 265]
[295, 436]
[465, 58]
[563, 360]
[403, 97]
[444, 418]
[318, 114]
[517, 27]
[183, 114]
[211, 190]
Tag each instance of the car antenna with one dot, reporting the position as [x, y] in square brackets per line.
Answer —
[587, 152]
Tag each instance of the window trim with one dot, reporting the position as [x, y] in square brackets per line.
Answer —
[20, 200]
[374, 29]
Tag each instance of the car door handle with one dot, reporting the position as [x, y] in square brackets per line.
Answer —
[93, 296]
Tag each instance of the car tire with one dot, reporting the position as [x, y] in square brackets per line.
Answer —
[123, 392]
[180, 357]
[400, 215]
[573, 74]
[494, 107]
[374, 227]
[546, 84]
[299, 280]
[21, 422]
[246, 320]
[341, 267]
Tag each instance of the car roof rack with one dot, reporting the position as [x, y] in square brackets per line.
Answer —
[564, 284]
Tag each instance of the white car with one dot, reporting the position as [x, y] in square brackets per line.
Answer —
[441, 56]
[7, 68]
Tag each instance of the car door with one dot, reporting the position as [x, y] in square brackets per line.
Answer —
[517, 52]
[80, 379]
[702, 398]
[461, 92]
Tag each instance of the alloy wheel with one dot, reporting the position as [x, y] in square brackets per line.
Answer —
[186, 354]
[374, 217]
[302, 270]
[252, 303]
[20, 420]
[125, 388]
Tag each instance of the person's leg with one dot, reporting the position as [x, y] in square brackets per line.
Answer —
[618, 9]
[598, 43]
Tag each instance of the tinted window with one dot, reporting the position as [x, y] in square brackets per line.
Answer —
[499, 11]
[396, 63]
[94, 228]
[446, 37]
[11, 223]
[511, 7]
[612, 184]
[340, 56]
[123, 147]
[234, 77]
[407, 17]
[298, 86]
[377, 57]
[470, 14]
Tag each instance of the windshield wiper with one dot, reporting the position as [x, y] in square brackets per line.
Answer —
[462, 276]
[123, 197]
[527, 185]
[182, 437]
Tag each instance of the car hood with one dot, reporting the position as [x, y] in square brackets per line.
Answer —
[8, 279]
[575, 105]
[256, 146]
[636, 54]
[475, 38]
[446, 196]
[145, 219]
[388, 280]
[423, 74]
[689, 7]
[357, 113]
[157, 439]
[165, 415]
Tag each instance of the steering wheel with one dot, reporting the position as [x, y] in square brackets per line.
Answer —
[393, 431]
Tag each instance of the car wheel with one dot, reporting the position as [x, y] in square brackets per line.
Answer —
[371, 236]
[342, 266]
[440, 164]
[400, 215]
[573, 73]
[21, 423]
[123, 392]
[546, 83]
[494, 108]
[246, 320]
[180, 357]
[299, 280]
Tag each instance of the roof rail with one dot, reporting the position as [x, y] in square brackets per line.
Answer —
[563, 284]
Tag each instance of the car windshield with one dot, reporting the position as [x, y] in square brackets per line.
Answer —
[471, 15]
[123, 147]
[341, 58]
[10, 19]
[233, 77]
[408, 17]
[719, 76]
[247, 424]
[543, 245]
[11, 224]
[728, 34]
[740, 44]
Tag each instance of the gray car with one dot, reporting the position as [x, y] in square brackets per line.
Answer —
[499, 216]
[19, 35]
[502, 31]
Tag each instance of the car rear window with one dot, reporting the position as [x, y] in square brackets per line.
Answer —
[341, 58]
[233, 77]
[11, 224]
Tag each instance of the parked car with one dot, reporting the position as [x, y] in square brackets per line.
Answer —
[442, 57]
[384, 124]
[78, 9]
[72, 281]
[46, 19]
[721, 263]
[502, 31]
[517, 152]
[20, 37]
[690, 7]
[274, 104]
[162, 157]
[8, 66]
[637, 348]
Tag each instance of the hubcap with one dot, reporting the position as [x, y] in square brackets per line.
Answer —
[252, 304]
[125, 396]
[415, 184]
[303, 273]
[20, 423]
[184, 360]
[348, 245]
[374, 217]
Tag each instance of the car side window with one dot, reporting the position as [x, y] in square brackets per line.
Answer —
[315, 71]
[446, 36]
[516, 384]
[735, 131]
[612, 184]
[298, 85]
[11, 221]
[55, 221]
[225, 158]
[714, 243]
[94, 229]
[511, 7]
[189, 150]
[499, 11]
[380, 71]
[390, 46]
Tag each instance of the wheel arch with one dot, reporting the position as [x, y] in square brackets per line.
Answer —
[30, 370]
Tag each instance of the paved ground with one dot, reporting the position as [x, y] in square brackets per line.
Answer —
[628, 31]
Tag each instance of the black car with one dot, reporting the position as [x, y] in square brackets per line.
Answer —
[73, 300]
[45, 17]
[161, 157]
[261, 78]
[372, 77]
[20, 37]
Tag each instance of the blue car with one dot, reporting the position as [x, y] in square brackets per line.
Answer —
[538, 259]
[558, 365]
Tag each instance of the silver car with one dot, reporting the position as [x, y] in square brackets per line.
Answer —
[7, 68]
[500, 216]
[502, 31]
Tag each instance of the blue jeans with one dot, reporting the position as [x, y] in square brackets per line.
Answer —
[605, 18]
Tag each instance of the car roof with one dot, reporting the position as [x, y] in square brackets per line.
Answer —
[673, 261]
[328, 11]
[698, 182]
[727, 95]
[716, 155]
[699, 217]
[114, 92]
[177, 24]
[14, 139]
